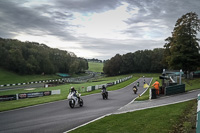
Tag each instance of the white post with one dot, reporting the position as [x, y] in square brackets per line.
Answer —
[17, 97]
[180, 77]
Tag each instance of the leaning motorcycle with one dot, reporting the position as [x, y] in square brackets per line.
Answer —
[74, 101]
[104, 94]
[134, 90]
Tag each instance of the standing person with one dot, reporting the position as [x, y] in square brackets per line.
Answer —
[156, 86]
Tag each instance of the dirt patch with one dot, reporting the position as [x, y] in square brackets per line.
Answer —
[187, 122]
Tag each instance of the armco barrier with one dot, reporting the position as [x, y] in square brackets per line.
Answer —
[28, 95]
[198, 115]
[91, 88]
[75, 80]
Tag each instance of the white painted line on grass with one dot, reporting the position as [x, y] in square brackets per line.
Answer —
[87, 123]
[154, 106]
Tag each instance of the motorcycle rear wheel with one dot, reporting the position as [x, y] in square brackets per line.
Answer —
[103, 95]
[106, 95]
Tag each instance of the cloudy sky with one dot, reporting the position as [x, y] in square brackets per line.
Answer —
[93, 28]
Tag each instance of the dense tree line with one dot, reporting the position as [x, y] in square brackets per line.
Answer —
[94, 60]
[35, 58]
[139, 61]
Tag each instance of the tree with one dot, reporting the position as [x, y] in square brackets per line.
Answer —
[156, 60]
[112, 67]
[128, 63]
[182, 49]
[140, 61]
[34, 58]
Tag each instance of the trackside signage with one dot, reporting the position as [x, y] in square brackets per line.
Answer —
[28, 95]
[8, 97]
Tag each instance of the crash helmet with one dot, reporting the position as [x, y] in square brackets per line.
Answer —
[72, 88]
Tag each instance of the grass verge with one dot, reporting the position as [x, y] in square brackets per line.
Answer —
[95, 67]
[7, 77]
[155, 120]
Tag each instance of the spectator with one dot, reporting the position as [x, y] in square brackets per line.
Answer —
[156, 86]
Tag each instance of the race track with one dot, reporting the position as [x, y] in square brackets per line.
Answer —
[58, 117]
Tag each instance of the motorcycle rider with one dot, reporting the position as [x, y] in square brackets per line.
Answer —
[144, 81]
[104, 88]
[75, 92]
[138, 84]
[134, 86]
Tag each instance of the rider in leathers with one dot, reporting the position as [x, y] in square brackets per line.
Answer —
[75, 93]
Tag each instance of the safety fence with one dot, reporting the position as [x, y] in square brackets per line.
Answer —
[198, 115]
[96, 87]
[66, 80]
[28, 95]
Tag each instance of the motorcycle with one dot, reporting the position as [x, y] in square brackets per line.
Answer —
[138, 84]
[104, 94]
[74, 100]
[134, 90]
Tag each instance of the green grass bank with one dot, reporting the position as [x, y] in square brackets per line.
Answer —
[95, 67]
[165, 119]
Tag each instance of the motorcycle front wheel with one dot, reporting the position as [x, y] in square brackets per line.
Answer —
[81, 102]
[72, 103]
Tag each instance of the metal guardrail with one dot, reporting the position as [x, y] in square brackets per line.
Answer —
[68, 80]
[91, 88]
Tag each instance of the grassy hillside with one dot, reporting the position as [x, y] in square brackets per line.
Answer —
[7, 77]
[95, 67]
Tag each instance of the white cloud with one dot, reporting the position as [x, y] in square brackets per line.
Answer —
[93, 28]
[108, 24]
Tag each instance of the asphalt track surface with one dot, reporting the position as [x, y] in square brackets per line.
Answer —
[22, 87]
[58, 117]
